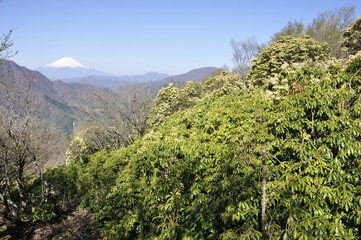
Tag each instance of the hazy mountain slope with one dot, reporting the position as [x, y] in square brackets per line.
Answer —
[114, 82]
[195, 75]
[49, 108]
[156, 80]
[75, 93]
[20, 76]
[57, 104]
[66, 72]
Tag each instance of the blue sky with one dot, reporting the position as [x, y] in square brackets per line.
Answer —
[139, 36]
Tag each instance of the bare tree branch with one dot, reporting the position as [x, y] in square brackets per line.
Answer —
[243, 54]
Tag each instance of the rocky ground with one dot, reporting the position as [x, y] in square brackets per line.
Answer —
[78, 224]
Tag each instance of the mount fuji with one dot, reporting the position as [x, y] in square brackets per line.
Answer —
[65, 62]
[67, 67]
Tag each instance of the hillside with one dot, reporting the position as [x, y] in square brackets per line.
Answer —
[220, 154]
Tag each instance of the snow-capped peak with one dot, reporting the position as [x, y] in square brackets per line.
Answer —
[65, 62]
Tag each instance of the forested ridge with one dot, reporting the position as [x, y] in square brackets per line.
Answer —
[271, 154]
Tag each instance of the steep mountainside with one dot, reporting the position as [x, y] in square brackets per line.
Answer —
[18, 75]
[59, 106]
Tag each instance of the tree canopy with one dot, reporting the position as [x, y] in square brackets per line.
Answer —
[281, 57]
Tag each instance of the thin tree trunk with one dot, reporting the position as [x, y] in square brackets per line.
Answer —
[264, 192]
[11, 209]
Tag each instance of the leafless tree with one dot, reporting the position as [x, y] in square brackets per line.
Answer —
[293, 28]
[326, 27]
[23, 142]
[115, 119]
[243, 53]
[6, 46]
[20, 150]
[135, 103]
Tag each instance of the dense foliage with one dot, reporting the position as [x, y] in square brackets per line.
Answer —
[172, 99]
[352, 37]
[198, 175]
[314, 190]
[188, 178]
[271, 66]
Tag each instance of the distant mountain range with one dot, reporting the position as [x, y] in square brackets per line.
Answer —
[69, 70]
[157, 80]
